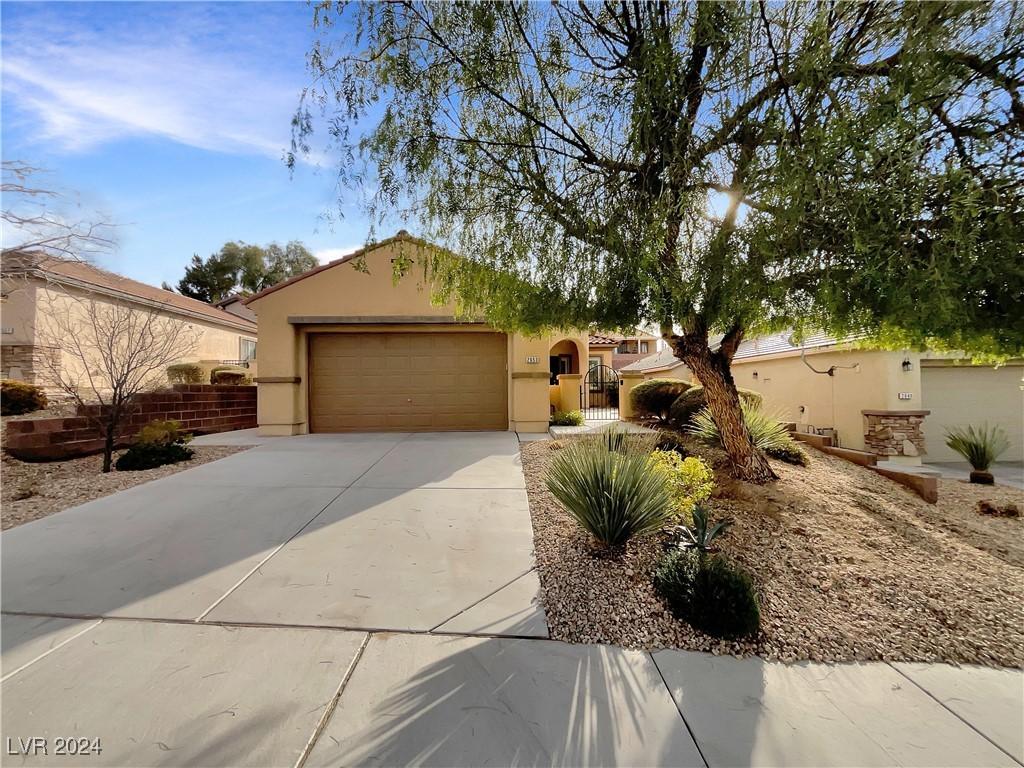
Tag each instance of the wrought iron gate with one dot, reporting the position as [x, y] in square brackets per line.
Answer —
[599, 395]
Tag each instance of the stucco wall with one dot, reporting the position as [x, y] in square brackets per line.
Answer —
[344, 298]
[679, 371]
[836, 401]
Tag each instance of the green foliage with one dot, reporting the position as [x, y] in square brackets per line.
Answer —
[981, 446]
[157, 443]
[162, 432]
[151, 455]
[612, 494]
[693, 399]
[567, 419]
[690, 480]
[768, 433]
[863, 195]
[185, 373]
[655, 396]
[700, 535]
[243, 268]
[18, 397]
[708, 592]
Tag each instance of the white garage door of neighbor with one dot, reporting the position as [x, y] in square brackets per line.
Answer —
[408, 382]
[961, 395]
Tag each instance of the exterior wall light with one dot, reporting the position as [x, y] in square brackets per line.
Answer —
[907, 365]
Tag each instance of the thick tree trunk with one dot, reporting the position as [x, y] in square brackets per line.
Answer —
[713, 370]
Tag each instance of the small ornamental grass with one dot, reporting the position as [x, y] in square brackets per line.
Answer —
[567, 419]
[980, 447]
[612, 492]
[768, 433]
[690, 480]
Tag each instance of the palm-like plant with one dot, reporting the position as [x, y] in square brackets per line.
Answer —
[700, 536]
[980, 447]
[612, 494]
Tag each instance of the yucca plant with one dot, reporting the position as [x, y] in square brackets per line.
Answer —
[980, 447]
[766, 430]
[613, 494]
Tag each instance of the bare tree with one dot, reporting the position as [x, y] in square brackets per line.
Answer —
[36, 218]
[109, 353]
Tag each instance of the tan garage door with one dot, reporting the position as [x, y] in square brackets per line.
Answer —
[962, 395]
[407, 382]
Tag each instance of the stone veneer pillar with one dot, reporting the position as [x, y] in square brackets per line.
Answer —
[895, 435]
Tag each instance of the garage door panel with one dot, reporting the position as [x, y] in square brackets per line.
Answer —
[407, 381]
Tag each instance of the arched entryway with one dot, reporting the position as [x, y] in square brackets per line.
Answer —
[564, 357]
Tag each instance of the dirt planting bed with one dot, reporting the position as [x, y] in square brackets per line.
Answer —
[849, 566]
[33, 490]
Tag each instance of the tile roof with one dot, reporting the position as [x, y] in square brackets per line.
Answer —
[100, 279]
[601, 340]
[776, 343]
[656, 362]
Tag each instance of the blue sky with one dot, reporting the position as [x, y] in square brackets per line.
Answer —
[170, 119]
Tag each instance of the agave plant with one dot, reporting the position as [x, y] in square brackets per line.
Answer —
[980, 447]
[699, 536]
[612, 494]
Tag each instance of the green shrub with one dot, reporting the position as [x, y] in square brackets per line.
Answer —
[768, 433]
[229, 374]
[612, 494]
[18, 397]
[690, 480]
[159, 432]
[655, 396]
[692, 400]
[157, 443]
[567, 419]
[708, 592]
[980, 447]
[185, 373]
[150, 455]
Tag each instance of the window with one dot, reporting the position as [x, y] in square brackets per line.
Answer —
[643, 348]
[594, 362]
[247, 349]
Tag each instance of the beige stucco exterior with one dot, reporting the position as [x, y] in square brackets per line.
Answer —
[34, 311]
[353, 296]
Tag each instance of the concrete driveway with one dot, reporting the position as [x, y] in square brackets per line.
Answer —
[371, 599]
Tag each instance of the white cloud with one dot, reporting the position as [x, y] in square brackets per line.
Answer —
[325, 255]
[85, 89]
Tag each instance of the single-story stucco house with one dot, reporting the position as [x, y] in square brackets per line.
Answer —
[897, 404]
[34, 285]
[345, 347]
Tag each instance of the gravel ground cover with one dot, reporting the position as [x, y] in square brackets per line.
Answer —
[31, 490]
[849, 566]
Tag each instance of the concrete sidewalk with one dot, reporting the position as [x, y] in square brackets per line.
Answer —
[371, 600]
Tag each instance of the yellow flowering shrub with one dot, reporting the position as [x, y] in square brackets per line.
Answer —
[691, 480]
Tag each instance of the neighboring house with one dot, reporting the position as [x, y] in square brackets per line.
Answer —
[34, 285]
[911, 398]
[344, 347]
[617, 351]
[235, 304]
[662, 365]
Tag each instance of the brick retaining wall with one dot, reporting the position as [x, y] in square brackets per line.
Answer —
[201, 409]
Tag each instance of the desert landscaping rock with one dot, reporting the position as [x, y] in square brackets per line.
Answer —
[849, 565]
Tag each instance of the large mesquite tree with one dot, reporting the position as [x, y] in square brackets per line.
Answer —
[716, 168]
